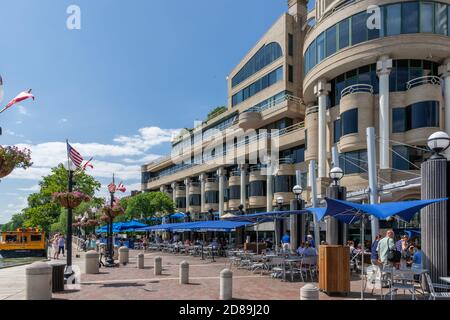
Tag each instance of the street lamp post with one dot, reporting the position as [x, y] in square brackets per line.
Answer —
[110, 252]
[68, 272]
[297, 227]
[336, 231]
[280, 203]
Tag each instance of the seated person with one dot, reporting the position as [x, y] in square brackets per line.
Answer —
[301, 249]
[309, 251]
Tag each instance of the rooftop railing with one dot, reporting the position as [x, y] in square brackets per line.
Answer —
[273, 103]
[357, 88]
[423, 80]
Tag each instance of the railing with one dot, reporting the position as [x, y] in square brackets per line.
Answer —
[257, 167]
[273, 103]
[423, 80]
[282, 132]
[212, 180]
[357, 88]
[236, 173]
[286, 161]
[312, 110]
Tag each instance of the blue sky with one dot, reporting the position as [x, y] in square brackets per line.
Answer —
[120, 87]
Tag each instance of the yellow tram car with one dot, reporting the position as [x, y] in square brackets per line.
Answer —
[23, 243]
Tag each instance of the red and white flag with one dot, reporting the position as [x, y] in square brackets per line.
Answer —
[88, 164]
[20, 97]
[112, 187]
[121, 187]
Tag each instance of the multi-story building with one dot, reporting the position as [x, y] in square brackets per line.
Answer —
[321, 77]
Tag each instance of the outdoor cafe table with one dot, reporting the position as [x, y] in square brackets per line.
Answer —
[405, 274]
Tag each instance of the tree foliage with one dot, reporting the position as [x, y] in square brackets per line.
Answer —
[216, 112]
[148, 205]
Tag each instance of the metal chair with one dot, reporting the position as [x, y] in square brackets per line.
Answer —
[432, 286]
[402, 280]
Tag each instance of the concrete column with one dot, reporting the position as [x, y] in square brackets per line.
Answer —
[91, 262]
[187, 183]
[226, 285]
[158, 266]
[334, 227]
[184, 272]
[243, 169]
[174, 188]
[444, 72]
[434, 218]
[221, 173]
[124, 255]
[269, 185]
[140, 261]
[38, 281]
[373, 179]
[202, 179]
[321, 90]
[384, 66]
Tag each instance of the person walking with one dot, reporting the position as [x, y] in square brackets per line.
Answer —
[55, 244]
[384, 246]
[61, 245]
[374, 252]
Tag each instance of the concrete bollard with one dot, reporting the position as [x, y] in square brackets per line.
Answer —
[140, 259]
[124, 255]
[91, 262]
[226, 285]
[309, 292]
[184, 272]
[158, 266]
[38, 281]
[116, 252]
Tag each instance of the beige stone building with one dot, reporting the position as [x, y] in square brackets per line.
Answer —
[316, 80]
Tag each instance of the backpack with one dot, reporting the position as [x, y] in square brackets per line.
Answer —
[393, 255]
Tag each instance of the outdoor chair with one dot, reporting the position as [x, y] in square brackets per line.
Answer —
[402, 280]
[277, 267]
[259, 264]
[432, 286]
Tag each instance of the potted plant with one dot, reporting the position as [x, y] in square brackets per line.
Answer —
[70, 200]
[11, 158]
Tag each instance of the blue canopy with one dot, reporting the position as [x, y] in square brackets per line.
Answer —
[348, 212]
[211, 226]
[129, 226]
[161, 227]
[270, 216]
[178, 215]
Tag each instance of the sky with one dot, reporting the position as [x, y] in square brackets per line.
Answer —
[120, 87]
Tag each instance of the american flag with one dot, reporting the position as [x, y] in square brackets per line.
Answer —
[121, 187]
[74, 155]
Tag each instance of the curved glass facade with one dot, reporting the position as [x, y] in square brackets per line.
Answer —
[235, 193]
[265, 56]
[257, 189]
[283, 183]
[422, 114]
[409, 158]
[211, 197]
[180, 202]
[400, 18]
[353, 162]
[195, 200]
[349, 122]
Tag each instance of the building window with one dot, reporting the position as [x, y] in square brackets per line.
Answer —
[211, 197]
[353, 162]
[344, 35]
[290, 73]
[398, 120]
[441, 22]
[408, 158]
[337, 131]
[265, 56]
[359, 28]
[181, 203]
[320, 47]
[235, 192]
[290, 44]
[283, 184]
[257, 189]
[349, 122]
[426, 17]
[195, 200]
[331, 41]
[423, 114]
[393, 19]
[410, 17]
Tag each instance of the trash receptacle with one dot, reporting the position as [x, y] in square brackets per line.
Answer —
[58, 269]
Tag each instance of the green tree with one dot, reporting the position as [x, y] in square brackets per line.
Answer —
[17, 221]
[148, 205]
[216, 112]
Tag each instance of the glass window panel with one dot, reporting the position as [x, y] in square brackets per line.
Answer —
[340, 85]
[372, 33]
[402, 74]
[306, 61]
[399, 158]
[320, 47]
[441, 18]
[448, 21]
[313, 55]
[349, 122]
[393, 19]
[410, 17]
[331, 41]
[359, 28]
[398, 120]
[291, 73]
[424, 114]
[290, 44]
[426, 17]
[337, 131]
[364, 75]
[344, 35]
[257, 189]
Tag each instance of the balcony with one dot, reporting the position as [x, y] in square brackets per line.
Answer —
[357, 88]
[433, 80]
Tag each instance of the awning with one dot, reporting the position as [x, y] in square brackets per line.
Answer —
[211, 226]
[348, 212]
[270, 216]
[129, 226]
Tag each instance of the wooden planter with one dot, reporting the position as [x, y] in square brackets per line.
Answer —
[334, 269]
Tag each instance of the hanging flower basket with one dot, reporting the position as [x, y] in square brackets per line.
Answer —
[12, 158]
[92, 223]
[113, 212]
[70, 200]
[76, 224]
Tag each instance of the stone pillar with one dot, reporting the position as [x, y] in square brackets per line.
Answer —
[124, 255]
[91, 262]
[296, 225]
[174, 188]
[434, 218]
[140, 261]
[444, 72]
[384, 66]
[334, 234]
[309, 292]
[226, 285]
[202, 179]
[221, 174]
[243, 169]
[269, 185]
[38, 281]
[158, 266]
[184, 272]
[187, 183]
[321, 90]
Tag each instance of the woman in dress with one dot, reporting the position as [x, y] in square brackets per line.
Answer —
[55, 246]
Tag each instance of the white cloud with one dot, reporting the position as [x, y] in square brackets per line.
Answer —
[34, 188]
[19, 122]
[22, 110]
